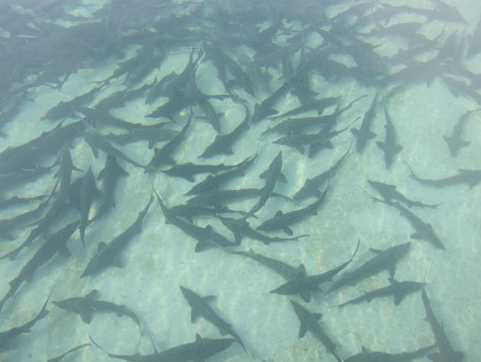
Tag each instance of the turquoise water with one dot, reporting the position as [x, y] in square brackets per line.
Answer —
[162, 258]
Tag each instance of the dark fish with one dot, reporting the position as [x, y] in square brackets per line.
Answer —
[266, 107]
[99, 142]
[475, 41]
[28, 155]
[8, 336]
[223, 143]
[384, 260]
[218, 197]
[213, 182]
[283, 221]
[109, 254]
[200, 308]
[445, 12]
[312, 186]
[373, 356]
[206, 236]
[455, 140]
[86, 307]
[18, 201]
[464, 176]
[271, 176]
[65, 171]
[288, 272]
[446, 352]
[422, 230]
[199, 350]
[68, 109]
[297, 125]
[364, 133]
[241, 228]
[397, 290]
[70, 351]
[390, 193]
[310, 323]
[317, 105]
[55, 244]
[110, 175]
[65, 354]
[164, 155]
[230, 72]
[304, 285]
[88, 192]
[390, 146]
[189, 170]
[152, 134]
[312, 142]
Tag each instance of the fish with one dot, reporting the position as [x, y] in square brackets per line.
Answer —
[200, 308]
[317, 105]
[271, 176]
[241, 228]
[199, 350]
[29, 154]
[364, 133]
[475, 41]
[422, 230]
[189, 170]
[152, 134]
[446, 352]
[223, 143]
[99, 142]
[87, 194]
[110, 174]
[66, 109]
[286, 271]
[216, 197]
[266, 107]
[283, 221]
[297, 125]
[70, 351]
[310, 323]
[390, 194]
[312, 142]
[190, 211]
[312, 186]
[468, 177]
[206, 236]
[8, 336]
[375, 356]
[397, 290]
[455, 140]
[164, 155]
[304, 285]
[226, 65]
[64, 173]
[445, 12]
[390, 146]
[8, 226]
[55, 244]
[87, 306]
[18, 201]
[109, 254]
[384, 260]
[213, 182]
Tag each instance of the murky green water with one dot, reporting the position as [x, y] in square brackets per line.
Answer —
[338, 49]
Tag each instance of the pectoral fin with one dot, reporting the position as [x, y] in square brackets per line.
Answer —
[194, 315]
[306, 296]
[302, 330]
[86, 316]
